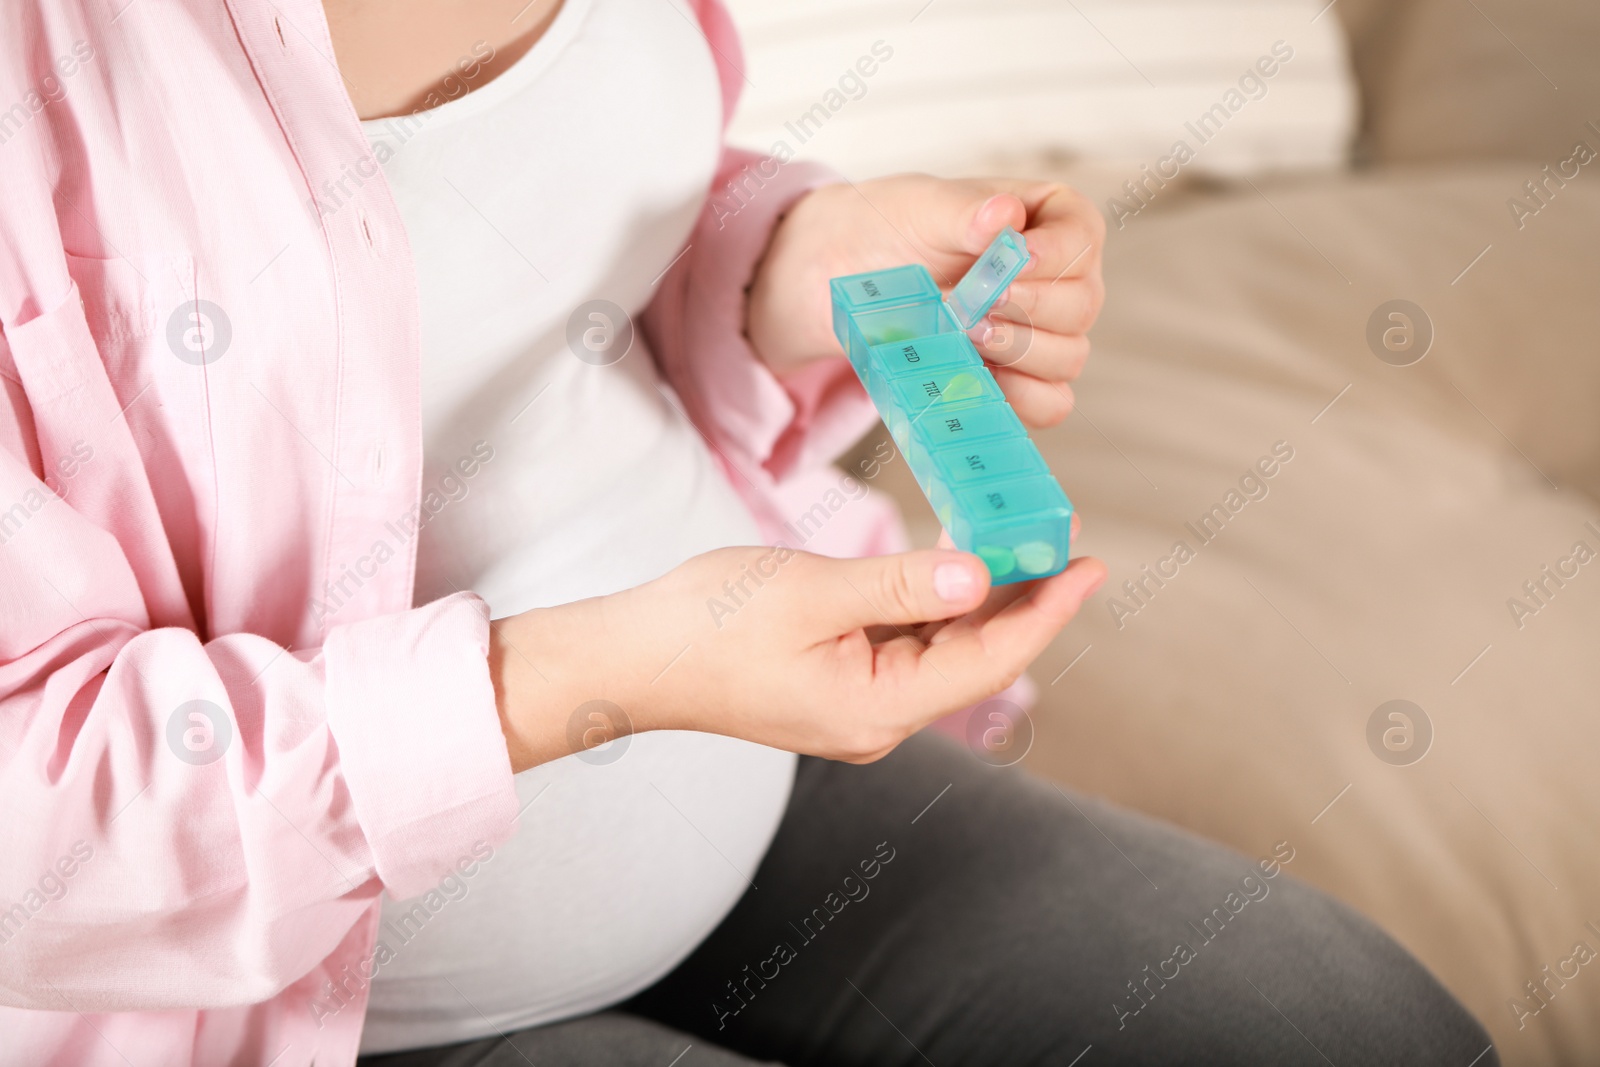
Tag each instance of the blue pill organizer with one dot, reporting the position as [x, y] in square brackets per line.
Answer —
[967, 449]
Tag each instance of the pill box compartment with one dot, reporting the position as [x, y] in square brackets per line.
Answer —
[888, 325]
[926, 395]
[911, 284]
[922, 434]
[918, 356]
[1020, 529]
[988, 461]
[908, 286]
[988, 486]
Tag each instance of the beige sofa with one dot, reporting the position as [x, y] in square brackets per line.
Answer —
[1240, 694]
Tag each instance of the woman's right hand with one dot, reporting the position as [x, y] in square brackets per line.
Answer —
[842, 658]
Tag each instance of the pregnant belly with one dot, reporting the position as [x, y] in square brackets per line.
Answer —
[622, 862]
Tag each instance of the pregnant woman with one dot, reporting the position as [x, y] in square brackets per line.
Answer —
[394, 400]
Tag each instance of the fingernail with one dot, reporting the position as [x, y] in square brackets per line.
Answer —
[986, 332]
[979, 233]
[953, 582]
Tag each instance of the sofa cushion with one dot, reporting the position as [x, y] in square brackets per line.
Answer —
[1486, 79]
[1382, 563]
[1377, 524]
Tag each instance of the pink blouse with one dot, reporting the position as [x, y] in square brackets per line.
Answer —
[208, 428]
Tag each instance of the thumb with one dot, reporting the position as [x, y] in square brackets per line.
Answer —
[961, 220]
[900, 590]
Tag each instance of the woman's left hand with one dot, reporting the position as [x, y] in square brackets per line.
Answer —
[1034, 339]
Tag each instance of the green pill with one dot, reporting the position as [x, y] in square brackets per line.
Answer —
[1000, 560]
[891, 335]
[962, 387]
[1035, 557]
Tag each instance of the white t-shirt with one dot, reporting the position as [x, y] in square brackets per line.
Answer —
[575, 175]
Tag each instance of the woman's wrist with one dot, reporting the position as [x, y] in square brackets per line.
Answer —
[547, 666]
[526, 745]
[778, 319]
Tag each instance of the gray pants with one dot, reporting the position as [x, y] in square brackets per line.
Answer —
[930, 909]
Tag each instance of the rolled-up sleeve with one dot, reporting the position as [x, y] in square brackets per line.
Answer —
[412, 709]
[769, 428]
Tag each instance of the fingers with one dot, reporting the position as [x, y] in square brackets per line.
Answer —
[1023, 628]
[961, 218]
[976, 657]
[1059, 292]
[899, 591]
[1065, 236]
[1039, 404]
[999, 598]
[1053, 357]
[982, 660]
[1068, 305]
[992, 215]
[1039, 326]
[954, 221]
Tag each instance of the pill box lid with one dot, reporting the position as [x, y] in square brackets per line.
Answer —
[981, 286]
[909, 284]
